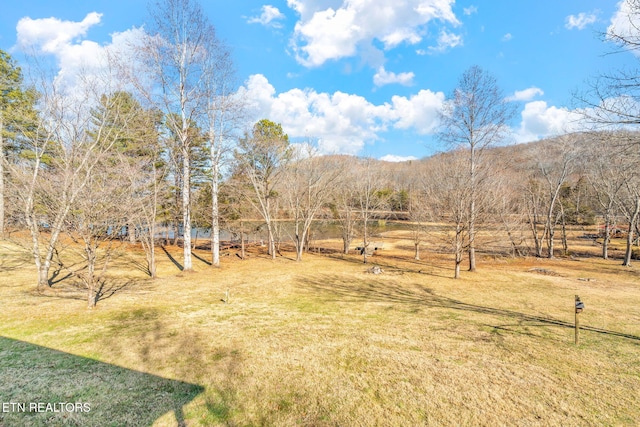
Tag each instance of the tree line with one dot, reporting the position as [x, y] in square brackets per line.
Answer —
[158, 142]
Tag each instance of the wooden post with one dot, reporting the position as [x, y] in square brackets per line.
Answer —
[577, 340]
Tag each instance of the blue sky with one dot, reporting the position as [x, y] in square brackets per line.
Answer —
[364, 77]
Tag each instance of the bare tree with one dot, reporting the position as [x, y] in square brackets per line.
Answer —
[611, 99]
[420, 213]
[555, 172]
[606, 175]
[369, 198]
[309, 181]
[507, 193]
[146, 175]
[630, 206]
[178, 53]
[97, 219]
[447, 188]
[342, 201]
[550, 165]
[628, 198]
[224, 110]
[534, 202]
[60, 152]
[475, 117]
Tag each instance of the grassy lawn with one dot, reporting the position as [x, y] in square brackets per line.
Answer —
[323, 342]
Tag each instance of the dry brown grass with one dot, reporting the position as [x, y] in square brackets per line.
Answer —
[322, 342]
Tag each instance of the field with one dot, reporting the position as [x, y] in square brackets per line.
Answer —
[325, 343]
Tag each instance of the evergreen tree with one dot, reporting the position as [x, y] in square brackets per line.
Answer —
[17, 116]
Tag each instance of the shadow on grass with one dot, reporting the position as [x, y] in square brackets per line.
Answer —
[76, 290]
[383, 291]
[12, 260]
[173, 260]
[200, 258]
[153, 340]
[390, 263]
[108, 395]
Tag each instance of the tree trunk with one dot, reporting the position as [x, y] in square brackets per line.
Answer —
[152, 258]
[472, 207]
[632, 221]
[307, 241]
[215, 223]
[472, 237]
[298, 240]
[303, 240]
[195, 240]
[43, 265]
[458, 251]
[272, 243]
[90, 277]
[533, 222]
[176, 233]
[550, 238]
[131, 231]
[43, 276]
[606, 238]
[346, 243]
[365, 243]
[186, 208]
[299, 251]
[565, 245]
[417, 252]
[242, 253]
[91, 296]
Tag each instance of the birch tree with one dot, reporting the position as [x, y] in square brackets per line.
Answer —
[177, 53]
[224, 111]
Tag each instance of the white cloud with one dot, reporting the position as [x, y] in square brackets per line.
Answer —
[63, 40]
[624, 23]
[420, 112]
[470, 10]
[75, 56]
[394, 158]
[52, 35]
[507, 37]
[384, 77]
[526, 94]
[334, 29]
[579, 21]
[540, 121]
[269, 17]
[446, 41]
[342, 122]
